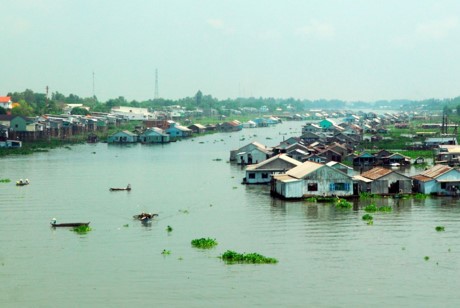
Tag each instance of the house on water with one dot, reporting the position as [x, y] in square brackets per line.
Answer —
[123, 137]
[312, 179]
[154, 135]
[381, 180]
[251, 153]
[440, 180]
[262, 173]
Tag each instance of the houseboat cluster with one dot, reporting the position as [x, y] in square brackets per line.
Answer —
[317, 164]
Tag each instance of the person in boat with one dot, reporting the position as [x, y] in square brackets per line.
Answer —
[128, 187]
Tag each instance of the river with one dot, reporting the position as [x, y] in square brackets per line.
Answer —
[327, 257]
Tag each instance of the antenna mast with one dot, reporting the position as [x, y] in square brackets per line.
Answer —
[94, 91]
[156, 95]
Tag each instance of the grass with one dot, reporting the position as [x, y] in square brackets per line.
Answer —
[252, 258]
[204, 243]
[81, 229]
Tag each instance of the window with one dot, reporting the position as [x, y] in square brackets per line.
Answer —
[339, 186]
[312, 186]
[443, 185]
[264, 175]
[252, 175]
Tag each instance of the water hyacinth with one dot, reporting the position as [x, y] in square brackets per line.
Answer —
[343, 204]
[385, 209]
[370, 208]
[440, 228]
[253, 258]
[81, 229]
[204, 243]
[367, 217]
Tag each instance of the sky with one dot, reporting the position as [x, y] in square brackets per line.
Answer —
[326, 49]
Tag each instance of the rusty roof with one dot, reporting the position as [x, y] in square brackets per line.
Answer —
[422, 178]
[436, 171]
[376, 173]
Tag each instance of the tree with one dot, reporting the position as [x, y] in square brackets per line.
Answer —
[198, 97]
[2, 110]
[23, 109]
[79, 111]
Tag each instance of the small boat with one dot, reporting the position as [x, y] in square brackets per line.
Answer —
[68, 224]
[145, 217]
[22, 182]
[128, 188]
[395, 164]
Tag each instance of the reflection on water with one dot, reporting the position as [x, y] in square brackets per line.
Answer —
[327, 256]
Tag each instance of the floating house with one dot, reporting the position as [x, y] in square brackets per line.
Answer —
[312, 179]
[262, 173]
[197, 128]
[439, 180]
[251, 153]
[123, 137]
[154, 135]
[381, 180]
[176, 131]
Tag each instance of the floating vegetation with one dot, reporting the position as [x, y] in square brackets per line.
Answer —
[427, 258]
[67, 147]
[166, 252]
[420, 196]
[126, 225]
[233, 257]
[217, 159]
[365, 195]
[370, 222]
[371, 208]
[343, 204]
[201, 142]
[169, 228]
[311, 199]
[440, 228]
[385, 209]
[204, 243]
[5, 180]
[268, 138]
[183, 211]
[367, 217]
[81, 229]
[326, 199]
[235, 187]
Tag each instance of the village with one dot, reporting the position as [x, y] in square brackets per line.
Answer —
[335, 154]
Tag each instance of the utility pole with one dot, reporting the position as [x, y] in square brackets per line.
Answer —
[94, 88]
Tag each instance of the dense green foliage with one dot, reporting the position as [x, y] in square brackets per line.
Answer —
[343, 204]
[204, 243]
[255, 258]
[5, 180]
[367, 217]
[81, 229]
[440, 228]
[371, 208]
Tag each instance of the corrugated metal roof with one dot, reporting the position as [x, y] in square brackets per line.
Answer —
[422, 178]
[304, 169]
[376, 173]
[285, 178]
[279, 156]
[436, 171]
[361, 178]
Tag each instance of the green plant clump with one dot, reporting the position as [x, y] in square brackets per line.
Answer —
[420, 196]
[204, 243]
[367, 217]
[385, 209]
[440, 228]
[233, 257]
[370, 208]
[343, 204]
[169, 228]
[5, 180]
[311, 199]
[81, 229]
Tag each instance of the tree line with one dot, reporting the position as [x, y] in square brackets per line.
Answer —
[32, 104]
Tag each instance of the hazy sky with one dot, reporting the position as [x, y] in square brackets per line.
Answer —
[350, 50]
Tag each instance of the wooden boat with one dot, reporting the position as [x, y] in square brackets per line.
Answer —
[128, 188]
[145, 217]
[68, 224]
